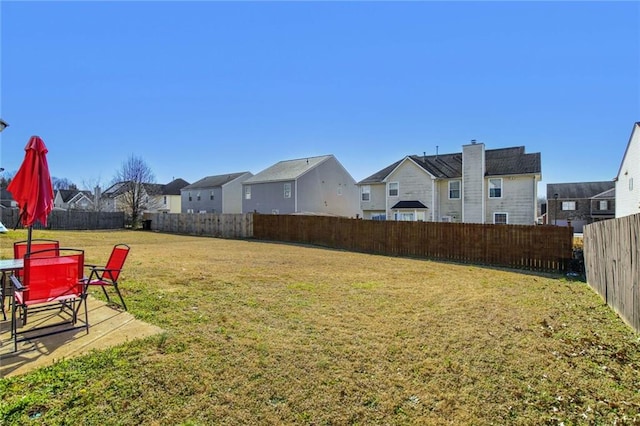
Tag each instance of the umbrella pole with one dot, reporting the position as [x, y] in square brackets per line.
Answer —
[29, 229]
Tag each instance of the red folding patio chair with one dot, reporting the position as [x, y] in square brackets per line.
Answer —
[51, 280]
[19, 250]
[107, 276]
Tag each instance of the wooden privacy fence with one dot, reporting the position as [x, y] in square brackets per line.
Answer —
[540, 248]
[69, 219]
[612, 263]
[210, 224]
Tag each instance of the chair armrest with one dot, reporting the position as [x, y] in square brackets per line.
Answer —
[17, 284]
[89, 265]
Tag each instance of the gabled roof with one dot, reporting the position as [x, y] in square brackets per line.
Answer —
[119, 188]
[174, 187]
[409, 205]
[288, 170]
[498, 162]
[577, 190]
[636, 127]
[69, 194]
[214, 181]
[610, 193]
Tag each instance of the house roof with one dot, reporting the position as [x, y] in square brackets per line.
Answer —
[576, 190]
[288, 169]
[214, 181]
[636, 127]
[174, 187]
[609, 193]
[503, 161]
[69, 194]
[409, 205]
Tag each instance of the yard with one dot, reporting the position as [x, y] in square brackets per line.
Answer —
[266, 333]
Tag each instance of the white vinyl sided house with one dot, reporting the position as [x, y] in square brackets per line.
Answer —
[475, 186]
[628, 179]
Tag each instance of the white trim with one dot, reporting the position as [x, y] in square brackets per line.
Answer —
[389, 189]
[489, 188]
[506, 217]
[449, 182]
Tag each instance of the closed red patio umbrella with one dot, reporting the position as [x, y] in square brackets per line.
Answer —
[31, 186]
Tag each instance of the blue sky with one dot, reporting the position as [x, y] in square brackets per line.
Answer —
[204, 88]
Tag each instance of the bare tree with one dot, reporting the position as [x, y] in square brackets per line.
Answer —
[134, 176]
[62, 183]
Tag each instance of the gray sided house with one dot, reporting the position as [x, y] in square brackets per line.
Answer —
[73, 199]
[215, 194]
[474, 186]
[314, 185]
[580, 203]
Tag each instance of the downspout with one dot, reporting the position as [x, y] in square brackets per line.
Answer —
[295, 197]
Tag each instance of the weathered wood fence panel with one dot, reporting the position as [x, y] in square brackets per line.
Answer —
[612, 264]
[70, 220]
[541, 248]
[209, 224]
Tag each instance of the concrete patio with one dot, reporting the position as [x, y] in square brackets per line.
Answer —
[108, 326]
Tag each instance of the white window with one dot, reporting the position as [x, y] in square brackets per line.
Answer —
[211, 196]
[394, 189]
[247, 192]
[189, 210]
[339, 190]
[630, 184]
[500, 218]
[454, 190]
[405, 217]
[190, 197]
[604, 205]
[287, 190]
[446, 219]
[495, 188]
[164, 200]
[198, 196]
[365, 194]
[275, 211]
[568, 205]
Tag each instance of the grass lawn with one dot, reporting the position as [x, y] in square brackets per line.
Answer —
[266, 333]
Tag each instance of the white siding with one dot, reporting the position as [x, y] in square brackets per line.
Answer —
[519, 194]
[414, 184]
[448, 208]
[473, 183]
[628, 182]
[377, 198]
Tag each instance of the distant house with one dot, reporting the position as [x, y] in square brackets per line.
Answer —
[151, 197]
[167, 198]
[6, 199]
[314, 185]
[73, 199]
[215, 194]
[628, 191]
[580, 203]
[496, 186]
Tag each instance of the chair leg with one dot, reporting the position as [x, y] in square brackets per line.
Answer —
[120, 296]
[106, 294]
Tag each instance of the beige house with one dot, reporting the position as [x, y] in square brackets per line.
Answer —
[153, 197]
[496, 186]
